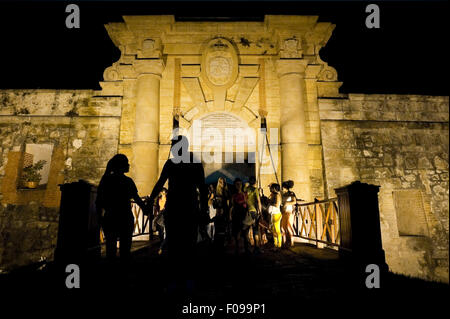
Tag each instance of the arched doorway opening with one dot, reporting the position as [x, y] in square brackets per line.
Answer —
[226, 145]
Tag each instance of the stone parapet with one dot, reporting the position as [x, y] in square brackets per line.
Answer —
[386, 107]
[43, 102]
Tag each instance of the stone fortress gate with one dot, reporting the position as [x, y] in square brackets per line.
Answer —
[220, 77]
[230, 75]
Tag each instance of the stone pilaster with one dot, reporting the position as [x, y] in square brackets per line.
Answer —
[294, 145]
[146, 133]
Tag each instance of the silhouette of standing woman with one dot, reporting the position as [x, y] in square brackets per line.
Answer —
[238, 211]
[114, 195]
[186, 181]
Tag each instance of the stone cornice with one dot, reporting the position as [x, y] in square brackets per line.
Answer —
[140, 35]
[149, 22]
[119, 34]
[289, 37]
[290, 22]
[130, 35]
[320, 35]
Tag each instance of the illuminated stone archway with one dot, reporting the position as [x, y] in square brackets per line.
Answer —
[251, 70]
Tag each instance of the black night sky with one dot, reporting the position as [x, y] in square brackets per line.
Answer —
[407, 55]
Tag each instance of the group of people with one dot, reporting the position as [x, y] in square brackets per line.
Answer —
[245, 213]
[233, 215]
[187, 209]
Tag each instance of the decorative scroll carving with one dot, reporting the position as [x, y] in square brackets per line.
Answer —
[328, 73]
[112, 74]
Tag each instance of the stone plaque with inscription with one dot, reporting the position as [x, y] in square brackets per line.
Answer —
[411, 219]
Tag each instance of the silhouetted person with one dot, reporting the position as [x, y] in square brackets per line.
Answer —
[114, 195]
[159, 209]
[238, 211]
[187, 195]
[265, 219]
[212, 210]
[287, 220]
[222, 219]
[275, 212]
[254, 208]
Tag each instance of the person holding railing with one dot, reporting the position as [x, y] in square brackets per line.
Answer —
[288, 201]
[275, 212]
[114, 195]
[187, 194]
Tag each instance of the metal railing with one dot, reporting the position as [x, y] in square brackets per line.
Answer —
[318, 222]
[142, 223]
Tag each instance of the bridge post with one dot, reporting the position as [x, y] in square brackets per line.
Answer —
[359, 220]
[79, 226]
[319, 225]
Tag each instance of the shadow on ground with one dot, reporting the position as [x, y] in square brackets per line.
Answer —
[290, 282]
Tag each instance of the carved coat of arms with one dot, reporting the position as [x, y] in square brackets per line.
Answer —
[219, 63]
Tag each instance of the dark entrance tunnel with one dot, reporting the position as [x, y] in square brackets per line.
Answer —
[242, 166]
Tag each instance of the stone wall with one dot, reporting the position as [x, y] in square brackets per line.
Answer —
[401, 144]
[84, 132]
[28, 234]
